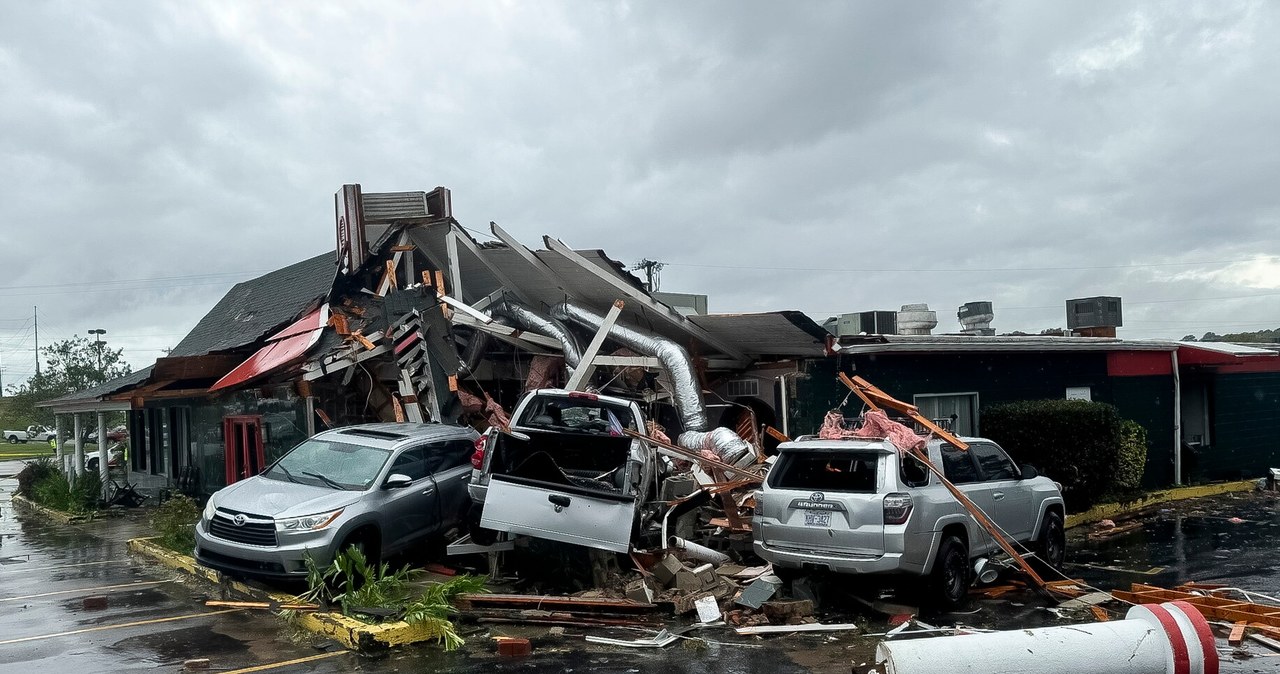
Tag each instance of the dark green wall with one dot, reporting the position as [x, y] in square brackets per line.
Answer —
[1245, 441]
[997, 378]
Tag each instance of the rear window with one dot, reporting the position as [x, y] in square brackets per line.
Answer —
[827, 471]
[577, 414]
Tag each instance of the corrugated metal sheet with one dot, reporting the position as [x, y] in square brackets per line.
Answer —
[775, 333]
[382, 207]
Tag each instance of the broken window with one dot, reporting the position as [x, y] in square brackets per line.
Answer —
[827, 471]
[577, 414]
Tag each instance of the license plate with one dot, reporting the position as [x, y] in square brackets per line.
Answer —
[817, 518]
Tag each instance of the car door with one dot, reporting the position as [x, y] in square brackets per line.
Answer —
[962, 470]
[449, 464]
[405, 510]
[1010, 501]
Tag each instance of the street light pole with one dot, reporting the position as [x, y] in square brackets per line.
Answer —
[97, 343]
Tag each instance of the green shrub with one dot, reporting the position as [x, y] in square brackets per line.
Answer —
[1079, 443]
[1132, 460]
[175, 521]
[353, 584]
[34, 472]
[47, 486]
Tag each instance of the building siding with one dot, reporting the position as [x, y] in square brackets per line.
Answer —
[1246, 426]
[997, 378]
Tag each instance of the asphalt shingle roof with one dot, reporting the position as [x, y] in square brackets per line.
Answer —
[258, 306]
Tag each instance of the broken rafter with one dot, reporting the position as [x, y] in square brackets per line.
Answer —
[678, 452]
[583, 372]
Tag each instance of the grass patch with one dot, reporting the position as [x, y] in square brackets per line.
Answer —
[373, 593]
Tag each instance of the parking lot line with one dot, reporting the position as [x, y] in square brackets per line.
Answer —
[101, 588]
[285, 663]
[28, 569]
[100, 628]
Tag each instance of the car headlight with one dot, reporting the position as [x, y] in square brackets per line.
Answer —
[209, 511]
[307, 522]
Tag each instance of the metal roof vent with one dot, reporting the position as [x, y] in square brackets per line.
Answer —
[916, 319]
[975, 318]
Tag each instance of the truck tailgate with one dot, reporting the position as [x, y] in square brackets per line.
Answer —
[559, 513]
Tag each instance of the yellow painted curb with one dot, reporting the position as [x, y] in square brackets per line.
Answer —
[349, 632]
[57, 515]
[1112, 510]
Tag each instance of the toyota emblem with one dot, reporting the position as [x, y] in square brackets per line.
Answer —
[239, 519]
[816, 496]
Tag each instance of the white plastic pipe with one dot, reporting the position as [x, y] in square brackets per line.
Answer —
[1170, 638]
[698, 552]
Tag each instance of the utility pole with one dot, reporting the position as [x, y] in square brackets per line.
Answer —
[651, 271]
[35, 317]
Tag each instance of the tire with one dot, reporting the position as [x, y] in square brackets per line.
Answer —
[479, 535]
[1051, 549]
[92, 466]
[13, 439]
[950, 578]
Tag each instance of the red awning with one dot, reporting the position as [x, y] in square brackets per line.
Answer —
[282, 348]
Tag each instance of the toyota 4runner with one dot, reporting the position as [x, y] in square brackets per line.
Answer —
[863, 507]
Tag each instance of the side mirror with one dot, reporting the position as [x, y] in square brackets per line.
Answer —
[397, 481]
[1029, 471]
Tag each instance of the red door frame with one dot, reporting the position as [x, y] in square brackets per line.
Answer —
[246, 458]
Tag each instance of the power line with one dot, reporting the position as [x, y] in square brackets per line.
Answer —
[949, 270]
[75, 284]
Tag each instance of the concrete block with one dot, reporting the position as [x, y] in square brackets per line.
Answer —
[783, 611]
[665, 570]
[640, 590]
[514, 648]
[687, 603]
[94, 603]
[707, 573]
[687, 581]
[195, 664]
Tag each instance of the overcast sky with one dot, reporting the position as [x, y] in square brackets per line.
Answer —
[827, 157]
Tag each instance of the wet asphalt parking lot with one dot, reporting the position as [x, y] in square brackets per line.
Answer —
[156, 618]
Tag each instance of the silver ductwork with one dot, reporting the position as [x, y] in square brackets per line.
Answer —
[684, 381]
[527, 319]
[725, 443]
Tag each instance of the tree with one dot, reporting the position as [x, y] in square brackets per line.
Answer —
[70, 365]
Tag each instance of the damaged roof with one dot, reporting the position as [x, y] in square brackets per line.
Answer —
[254, 308]
[773, 333]
[98, 392]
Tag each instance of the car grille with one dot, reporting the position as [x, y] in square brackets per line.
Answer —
[210, 557]
[251, 533]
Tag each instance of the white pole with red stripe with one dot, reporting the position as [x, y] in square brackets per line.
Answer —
[1169, 638]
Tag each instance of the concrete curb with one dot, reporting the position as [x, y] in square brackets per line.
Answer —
[1113, 510]
[56, 515]
[349, 632]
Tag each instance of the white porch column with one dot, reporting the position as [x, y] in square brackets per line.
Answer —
[77, 461]
[102, 446]
[57, 440]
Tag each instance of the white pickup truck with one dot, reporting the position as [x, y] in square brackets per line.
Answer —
[34, 432]
[565, 472]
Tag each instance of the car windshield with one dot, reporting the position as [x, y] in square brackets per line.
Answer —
[326, 463]
[583, 414]
[827, 471]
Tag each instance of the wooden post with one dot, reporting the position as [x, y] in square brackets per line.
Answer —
[587, 366]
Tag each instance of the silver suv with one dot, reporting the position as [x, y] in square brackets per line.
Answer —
[377, 487]
[861, 507]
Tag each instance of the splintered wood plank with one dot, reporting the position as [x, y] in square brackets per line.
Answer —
[1236, 637]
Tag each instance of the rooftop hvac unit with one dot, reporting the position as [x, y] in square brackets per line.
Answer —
[864, 322]
[975, 318]
[916, 319]
[1094, 312]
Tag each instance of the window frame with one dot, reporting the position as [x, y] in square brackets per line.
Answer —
[975, 418]
[1017, 472]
